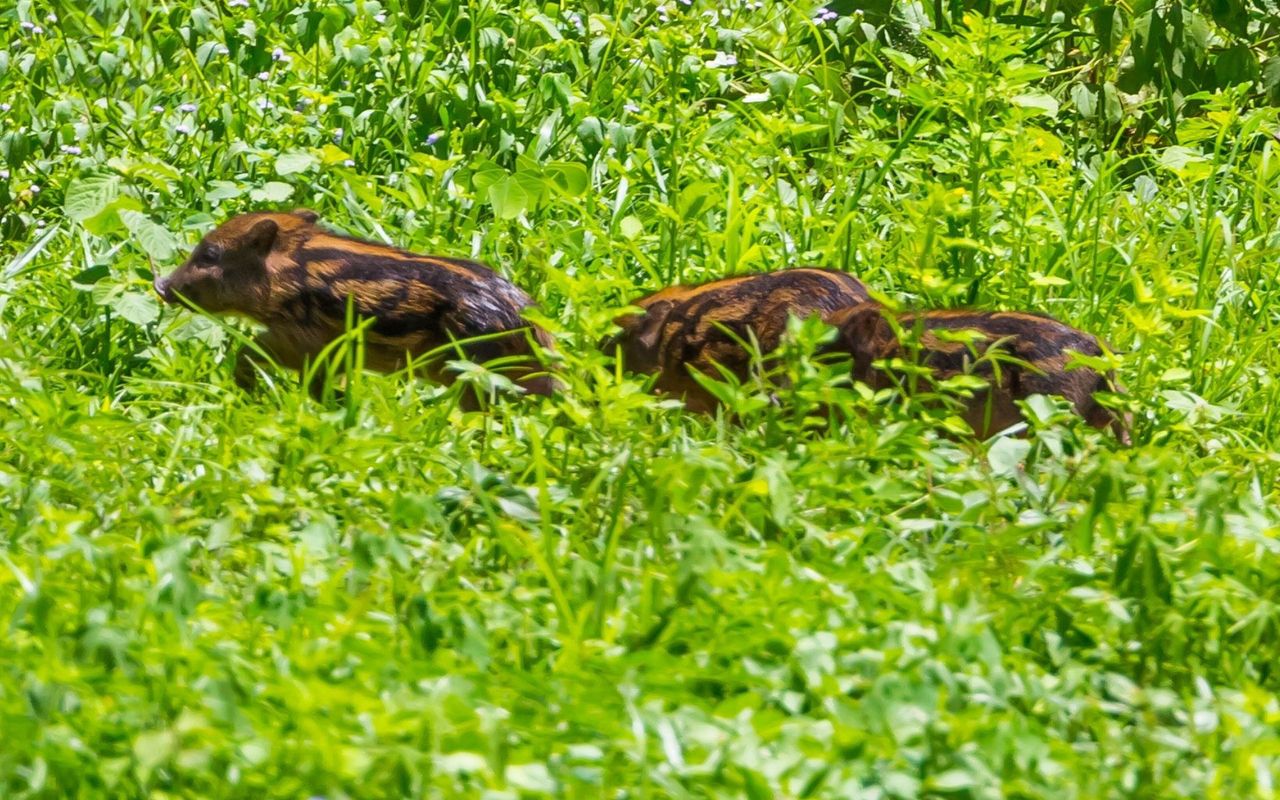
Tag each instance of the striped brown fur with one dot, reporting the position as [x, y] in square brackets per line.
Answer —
[683, 328]
[296, 278]
[1038, 348]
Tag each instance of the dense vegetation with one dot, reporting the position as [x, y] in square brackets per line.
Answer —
[208, 594]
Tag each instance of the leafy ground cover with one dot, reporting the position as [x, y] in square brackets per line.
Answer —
[207, 594]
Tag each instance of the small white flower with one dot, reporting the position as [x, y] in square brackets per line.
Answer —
[5, 106]
[4, 174]
[187, 108]
[724, 12]
[222, 49]
[37, 30]
[52, 19]
[380, 18]
[723, 60]
[35, 188]
[182, 128]
[40, 223]
[264, 76]
[237, 3]
[263, 103]
[337, 135]
[279, 55]
[631, 108]
[71, 149]
[349, 163]
[26, 26]
[433, 138]
[157, 109]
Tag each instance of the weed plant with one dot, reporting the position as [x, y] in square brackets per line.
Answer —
[211, 594]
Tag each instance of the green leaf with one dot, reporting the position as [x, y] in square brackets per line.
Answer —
[295, 161]
[90, 276]
[331, 154]
[631, 227]
[88, 196]
[1036, 101]
[953, 780]
[1271, 77]
[486, 174]
[154, 748]
[1007, 454]
[531, 778]
[570, 178]
[272, 192]
[1085, 101]
[508, 198]
[222, 190]
[137, 307]
[694, 198]
[156, 241]
[1185, 162]
[107, 221]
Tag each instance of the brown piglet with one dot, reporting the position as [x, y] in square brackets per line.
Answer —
[683, 328]
[1019, 354]
[297, 279]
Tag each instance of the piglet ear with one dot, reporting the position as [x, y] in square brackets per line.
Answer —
[648, 330]
[306, 215]
[262, 236]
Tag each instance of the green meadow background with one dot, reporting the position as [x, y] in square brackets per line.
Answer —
[208, 594]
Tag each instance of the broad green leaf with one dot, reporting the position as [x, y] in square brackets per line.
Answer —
[295, 161]
[152, 749]
[90, 276]
[88, 196]
[485, 175]
[156, 241]
[222, 190]
[331, 154]
[272, 192]
[1036, 101]
[508, 198]
[107, 221]
[1185, 162]
[695, 197]
[1085, 101]
[630, 226]
[532, 777]
[1007, 454]
[953, 780]
[137, 307]
[570, 178]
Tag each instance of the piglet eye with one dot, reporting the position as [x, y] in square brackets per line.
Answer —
[212, 254]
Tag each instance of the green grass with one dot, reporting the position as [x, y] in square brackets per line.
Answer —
[208, 594]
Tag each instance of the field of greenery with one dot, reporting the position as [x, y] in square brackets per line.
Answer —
[211, 594]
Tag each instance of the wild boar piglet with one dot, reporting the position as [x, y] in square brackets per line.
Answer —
[1018, 353]
[296, 278]
[698, 327]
